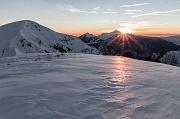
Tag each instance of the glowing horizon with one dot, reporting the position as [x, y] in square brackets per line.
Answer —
[78, 17]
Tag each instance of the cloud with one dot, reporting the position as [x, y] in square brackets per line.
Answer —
[92, 12]
[99, 10]
[49, 12]
[170, 15]
[13, 4]
[134, 5]
[106, 20]
[109, 9]
[114, 22]
[70, 8]
[133, 10]
[128, 13]
[156, 13]
[142, 24]
[66, 21]
[96, 8]
[77, 24]
[146, 14]
[108, 12]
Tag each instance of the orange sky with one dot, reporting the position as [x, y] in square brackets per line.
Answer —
[96, 16]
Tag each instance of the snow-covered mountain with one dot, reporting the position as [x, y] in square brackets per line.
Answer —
[30, 37]
[84, 86]
[106, 36]
[87, 35]
[129, 45]
[175, 39]
[172, 58]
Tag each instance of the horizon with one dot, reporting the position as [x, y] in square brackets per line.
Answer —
[142, 17]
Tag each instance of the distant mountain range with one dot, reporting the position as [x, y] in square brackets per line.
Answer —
[129, 45]
[175, 39]
[30, 37]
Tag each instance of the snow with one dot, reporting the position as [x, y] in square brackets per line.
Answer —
[87, 35]
[172, 58]
[18, 52]
[30, 37]
[84, 86]
[106, 36]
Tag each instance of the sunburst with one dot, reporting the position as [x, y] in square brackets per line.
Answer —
[125, 30]
[125, 38]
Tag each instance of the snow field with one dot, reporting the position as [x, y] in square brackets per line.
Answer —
[81, 86]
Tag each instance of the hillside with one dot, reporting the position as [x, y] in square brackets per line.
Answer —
[172, 58]
[30, 37]
[175, 39]
[130, 45]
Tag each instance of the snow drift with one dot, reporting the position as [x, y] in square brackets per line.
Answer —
[81, 86]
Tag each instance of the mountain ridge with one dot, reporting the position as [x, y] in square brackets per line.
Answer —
[175, 39]
[27, 36]
[30, 37]
[130, 45]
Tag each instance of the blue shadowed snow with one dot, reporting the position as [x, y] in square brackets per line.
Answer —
[79, 86]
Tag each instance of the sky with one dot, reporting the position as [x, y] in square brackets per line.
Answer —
[76, 17]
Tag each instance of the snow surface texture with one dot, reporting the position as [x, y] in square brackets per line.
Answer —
[172, 58]
[29, 37]
[82, 86]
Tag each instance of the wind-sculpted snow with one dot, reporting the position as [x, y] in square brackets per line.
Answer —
[79, 86]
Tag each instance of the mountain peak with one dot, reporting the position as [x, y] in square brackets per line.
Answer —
[108, 35]
[116, 32]
[29, 22]
[19, 22]
[25, 21]
[87, 35]
[27, 36]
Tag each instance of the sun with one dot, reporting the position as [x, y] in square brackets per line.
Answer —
[125, 30]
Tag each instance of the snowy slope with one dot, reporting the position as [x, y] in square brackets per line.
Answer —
[172, 58]
[106, 36]
[87, 35]
[81, 86]
[30, 37]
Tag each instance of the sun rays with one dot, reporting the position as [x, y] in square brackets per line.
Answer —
[123, 41]
[125, 30]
